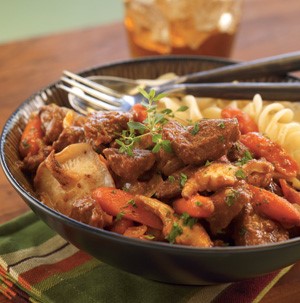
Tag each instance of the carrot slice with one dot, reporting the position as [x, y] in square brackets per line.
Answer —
[246, 123]
[196, 206]
[31, 137]
[120, 226]
[272, 152]
[139, 112]
[289, 192]
[121, 204]
[274, 207]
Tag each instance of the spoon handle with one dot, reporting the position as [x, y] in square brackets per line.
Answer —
[276, 65]
[243, 90]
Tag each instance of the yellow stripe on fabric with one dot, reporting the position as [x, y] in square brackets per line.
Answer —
[271, 284]
[57, 278]
[205, 294]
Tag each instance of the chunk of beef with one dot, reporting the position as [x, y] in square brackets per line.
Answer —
[173, 185]
[70, 135]
[237, 152]
[252, 229]
[228, 203]
[127, 167]
[52, 117]
[31, 162]
[210, 140]
[87, 211]
[168, 163]
[104, 127]
[146, 188]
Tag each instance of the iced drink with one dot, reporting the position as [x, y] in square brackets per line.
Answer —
[197, 27]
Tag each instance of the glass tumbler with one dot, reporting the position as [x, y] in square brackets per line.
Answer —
[195, 27]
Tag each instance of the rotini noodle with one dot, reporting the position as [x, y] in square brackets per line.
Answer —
[276, 121]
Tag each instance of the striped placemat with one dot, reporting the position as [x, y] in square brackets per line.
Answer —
[37, 265]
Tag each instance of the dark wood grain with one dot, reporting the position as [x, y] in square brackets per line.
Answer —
[267, 28]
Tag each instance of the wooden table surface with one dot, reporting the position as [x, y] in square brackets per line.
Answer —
[268, 27]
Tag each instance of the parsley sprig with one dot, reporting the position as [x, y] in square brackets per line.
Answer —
[152, 125]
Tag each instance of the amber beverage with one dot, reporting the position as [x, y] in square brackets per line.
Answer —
[196, 27]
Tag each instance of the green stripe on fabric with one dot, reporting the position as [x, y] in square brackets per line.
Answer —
[106, 284]
[15, 235]
[52, 281]
[206, 294]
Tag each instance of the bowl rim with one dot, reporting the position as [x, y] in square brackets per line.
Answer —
[155, 245]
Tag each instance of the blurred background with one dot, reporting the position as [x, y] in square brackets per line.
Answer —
[22, 19]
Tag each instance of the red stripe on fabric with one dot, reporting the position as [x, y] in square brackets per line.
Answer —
[8, 282]
[5, 291]
[24, 283]
[245, 291]
[20, 292]
[2, 271]
[8, 292]
[13, 289]
[42, 272]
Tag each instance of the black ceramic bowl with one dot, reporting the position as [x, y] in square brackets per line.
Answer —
[158, 261]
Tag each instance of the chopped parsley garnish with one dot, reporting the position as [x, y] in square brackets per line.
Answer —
[221, 125]
[187, 220]
[231, 197]
[132, 202]
[171, 179]
[198, 203]
[120, 215]
[246, 158]
[175, 231]
[195, 129]
[240, 174]
[183, 179]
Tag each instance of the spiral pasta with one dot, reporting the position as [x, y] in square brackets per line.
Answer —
[276, 121]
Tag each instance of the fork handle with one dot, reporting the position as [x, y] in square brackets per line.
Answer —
[243, 90]
[270, 66]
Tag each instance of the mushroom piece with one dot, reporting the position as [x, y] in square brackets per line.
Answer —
[175, 229]
[211, 178]
[70, 175]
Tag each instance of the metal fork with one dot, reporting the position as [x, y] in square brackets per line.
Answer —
[87, 95]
